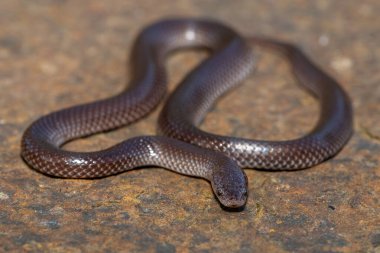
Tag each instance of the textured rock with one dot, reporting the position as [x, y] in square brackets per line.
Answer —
[56, 53]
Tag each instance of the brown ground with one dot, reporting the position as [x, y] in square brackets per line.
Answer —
[56, 53]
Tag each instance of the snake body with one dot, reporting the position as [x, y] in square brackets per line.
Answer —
[181, 116]
[230, 61]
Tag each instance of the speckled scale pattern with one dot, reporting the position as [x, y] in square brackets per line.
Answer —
[142, 152]
[231, 60]
[180, 117]
[42, 141]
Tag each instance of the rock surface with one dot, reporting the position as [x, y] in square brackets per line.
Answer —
[57, 53]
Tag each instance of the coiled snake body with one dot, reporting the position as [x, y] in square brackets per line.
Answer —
[230, 61]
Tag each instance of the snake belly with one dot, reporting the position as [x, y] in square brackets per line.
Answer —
[230, 61]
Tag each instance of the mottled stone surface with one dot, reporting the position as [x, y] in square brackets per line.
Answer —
[56, 53]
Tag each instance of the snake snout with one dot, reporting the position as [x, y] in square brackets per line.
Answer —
[229, 183]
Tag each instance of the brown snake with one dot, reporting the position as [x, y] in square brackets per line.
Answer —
[230, 62]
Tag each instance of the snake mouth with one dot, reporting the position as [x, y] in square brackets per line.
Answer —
[236, 198]
[233, 203]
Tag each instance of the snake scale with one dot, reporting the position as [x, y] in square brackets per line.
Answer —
[182, 147]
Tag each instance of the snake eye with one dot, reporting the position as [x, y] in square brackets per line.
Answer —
[219, 193]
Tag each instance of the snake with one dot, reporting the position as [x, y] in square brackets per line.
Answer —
[180, 145]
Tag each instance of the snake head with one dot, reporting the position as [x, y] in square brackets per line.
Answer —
[230, 184]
